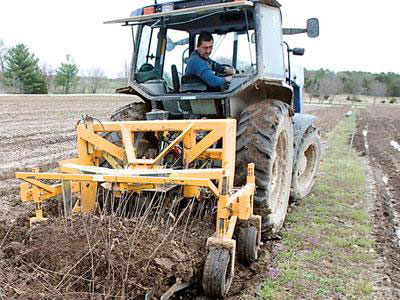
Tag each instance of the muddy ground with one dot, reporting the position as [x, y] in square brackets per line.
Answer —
[377, 139]
[97, 255]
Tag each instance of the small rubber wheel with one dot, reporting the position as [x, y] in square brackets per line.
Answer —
[247, 245]
[217, 276]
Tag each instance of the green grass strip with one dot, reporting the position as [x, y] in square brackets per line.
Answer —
[327, 241]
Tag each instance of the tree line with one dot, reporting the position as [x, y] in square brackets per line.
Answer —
[21, 73]
[326, 84]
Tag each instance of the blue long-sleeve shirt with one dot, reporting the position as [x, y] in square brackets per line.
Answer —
[203, 68]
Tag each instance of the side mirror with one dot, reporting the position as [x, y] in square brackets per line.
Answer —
[298, 51]
[171, 44]
[253, 38]
[313, 28]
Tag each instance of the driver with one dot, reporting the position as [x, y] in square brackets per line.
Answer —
[200, 64]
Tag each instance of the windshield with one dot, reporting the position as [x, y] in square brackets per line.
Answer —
[225, 49]
[231, 48]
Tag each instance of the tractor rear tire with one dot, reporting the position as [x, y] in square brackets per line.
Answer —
[265, 137]
[135, 111]
[306, 167]
[217, 277]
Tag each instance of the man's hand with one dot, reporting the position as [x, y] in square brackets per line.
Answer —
[228, 78]
[229, 71]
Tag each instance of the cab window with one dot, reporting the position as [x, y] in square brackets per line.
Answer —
[177, 52]
[148, 47]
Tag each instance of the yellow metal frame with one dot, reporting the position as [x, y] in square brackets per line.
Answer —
[83, 174]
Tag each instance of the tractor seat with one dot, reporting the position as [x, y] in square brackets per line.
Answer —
[189, 83]
[192, 83]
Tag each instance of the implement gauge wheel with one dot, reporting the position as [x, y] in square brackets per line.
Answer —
[217, 276]
[265, 137]
[247, 245]
[307, 165]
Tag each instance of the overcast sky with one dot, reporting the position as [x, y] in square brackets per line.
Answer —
[360, 35]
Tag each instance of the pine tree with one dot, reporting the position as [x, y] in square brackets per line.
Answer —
[22, 71]
[66, 75]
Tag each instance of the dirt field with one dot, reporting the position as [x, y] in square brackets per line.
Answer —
[343, 99]
[328, 116]
[38, 131]
[63, 261]
[378, 138]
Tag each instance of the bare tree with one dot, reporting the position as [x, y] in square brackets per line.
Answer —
[126, 72]
[377, 89]
[49, 72]
[329, 87]
[354, 83]
[95, 78]
[366, 83]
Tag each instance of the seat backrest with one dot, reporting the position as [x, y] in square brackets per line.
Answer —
[191, 83]
[175, 79]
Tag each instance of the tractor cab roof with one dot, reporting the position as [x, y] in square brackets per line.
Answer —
[181, 10]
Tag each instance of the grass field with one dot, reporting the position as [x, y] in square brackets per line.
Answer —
[327, 247]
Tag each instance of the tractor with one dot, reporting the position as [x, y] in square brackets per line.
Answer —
[263, 97]
[246, 143]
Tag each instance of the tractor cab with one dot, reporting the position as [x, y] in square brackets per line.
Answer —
[247, 36]
[164, 50]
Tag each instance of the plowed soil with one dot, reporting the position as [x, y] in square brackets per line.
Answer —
[99, 256]
[378, 139]
[39, 131]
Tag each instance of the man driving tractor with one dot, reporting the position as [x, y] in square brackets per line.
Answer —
[201, 66]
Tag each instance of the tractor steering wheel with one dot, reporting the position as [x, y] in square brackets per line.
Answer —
[223, 74]
[226, 85]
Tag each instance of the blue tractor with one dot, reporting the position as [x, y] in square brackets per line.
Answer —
[262, 96]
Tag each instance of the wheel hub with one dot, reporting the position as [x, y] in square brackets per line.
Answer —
[279, 171]
[307, 163]
[302, 163]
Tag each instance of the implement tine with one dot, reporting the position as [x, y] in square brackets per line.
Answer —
[67, 198]
[191, 204]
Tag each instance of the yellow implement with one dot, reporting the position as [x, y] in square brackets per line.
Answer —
[199, 140]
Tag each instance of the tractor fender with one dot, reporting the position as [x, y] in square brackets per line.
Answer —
[301, 122]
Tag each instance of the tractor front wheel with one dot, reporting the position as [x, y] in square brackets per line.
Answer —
[307, 164]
